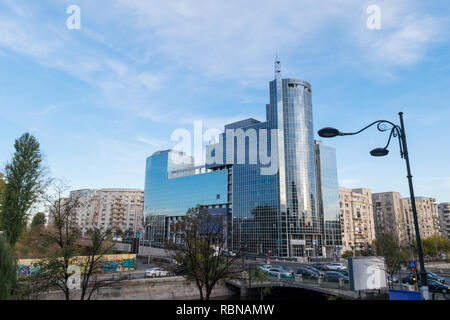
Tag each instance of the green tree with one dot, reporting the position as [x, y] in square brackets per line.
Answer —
[259, 276]
[118, 232]
[2, 188]
[8, 270]
[347, 254]
[434, 245]
[39, 219]
[24, 186]
[388, 247]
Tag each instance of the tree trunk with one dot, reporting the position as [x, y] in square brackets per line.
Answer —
[200, 289]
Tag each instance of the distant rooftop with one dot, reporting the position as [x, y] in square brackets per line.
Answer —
[242, 123]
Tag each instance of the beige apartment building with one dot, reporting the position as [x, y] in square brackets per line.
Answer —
[390, 216]
[427, 215]
[109, 209]
[444, 218]
[357, 219]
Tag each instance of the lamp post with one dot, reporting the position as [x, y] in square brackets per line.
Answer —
[396, 132]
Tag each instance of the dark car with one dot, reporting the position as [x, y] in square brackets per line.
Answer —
[438, 287]
[412, 279]
[334, 276]
[286, 269]
[343, 272]
[436, 277]
[318, 272]
[307, 273]
[320, 266]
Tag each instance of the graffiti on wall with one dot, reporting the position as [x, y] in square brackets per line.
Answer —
[111, 263]
[23, 269]
[118, 264]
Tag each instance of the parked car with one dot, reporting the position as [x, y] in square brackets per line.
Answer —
[307, 273]
[336, 266]
[391, 279]
[276, 271]
[437, 286]
[432, 275]
[411, 278]
[320, 266]
[156, 272]
[334, 276]
[319, 273]
[264, 267]
[286, 269]
[227, 253]
[343, 272]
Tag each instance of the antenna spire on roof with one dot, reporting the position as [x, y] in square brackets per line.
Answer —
[277, 67]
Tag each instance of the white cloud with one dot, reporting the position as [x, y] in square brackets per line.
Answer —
[402, 41]
[221, 40]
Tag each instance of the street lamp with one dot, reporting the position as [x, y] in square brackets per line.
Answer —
[396, 132]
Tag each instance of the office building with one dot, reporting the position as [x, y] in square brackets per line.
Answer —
[328, 199]
[261, 176]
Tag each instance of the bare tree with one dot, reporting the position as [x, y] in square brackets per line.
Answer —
[71, 250]
[198, 243]
[101, 245]
[63, 233]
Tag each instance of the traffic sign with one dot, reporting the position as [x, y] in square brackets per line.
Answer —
[412, 264]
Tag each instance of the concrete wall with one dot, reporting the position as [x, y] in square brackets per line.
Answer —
[143, 250]
[173, 288]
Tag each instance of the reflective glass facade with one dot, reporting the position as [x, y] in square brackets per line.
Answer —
[166, 199]
[278, 211]
[328, 197]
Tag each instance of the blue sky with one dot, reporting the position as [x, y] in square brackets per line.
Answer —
[102, 98]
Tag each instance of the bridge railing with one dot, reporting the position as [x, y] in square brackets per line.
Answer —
[312, 281]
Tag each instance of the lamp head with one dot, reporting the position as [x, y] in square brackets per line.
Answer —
[379, 152]
[329, 132]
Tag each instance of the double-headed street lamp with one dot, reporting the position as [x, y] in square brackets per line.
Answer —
[396, 132]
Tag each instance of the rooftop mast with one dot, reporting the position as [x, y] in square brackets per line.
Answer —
[277, 67]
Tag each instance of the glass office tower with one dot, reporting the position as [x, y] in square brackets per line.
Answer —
[328, 198]
[275, 211]
[171, 189]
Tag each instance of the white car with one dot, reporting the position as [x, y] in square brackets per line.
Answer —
[336, 266]
[156, 272]
[264, 267]
[277, 271]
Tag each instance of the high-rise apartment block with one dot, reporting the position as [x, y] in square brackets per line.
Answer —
[391, 216]
[444, 218]
[427, 216]
[357, 219]
[115, 209]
